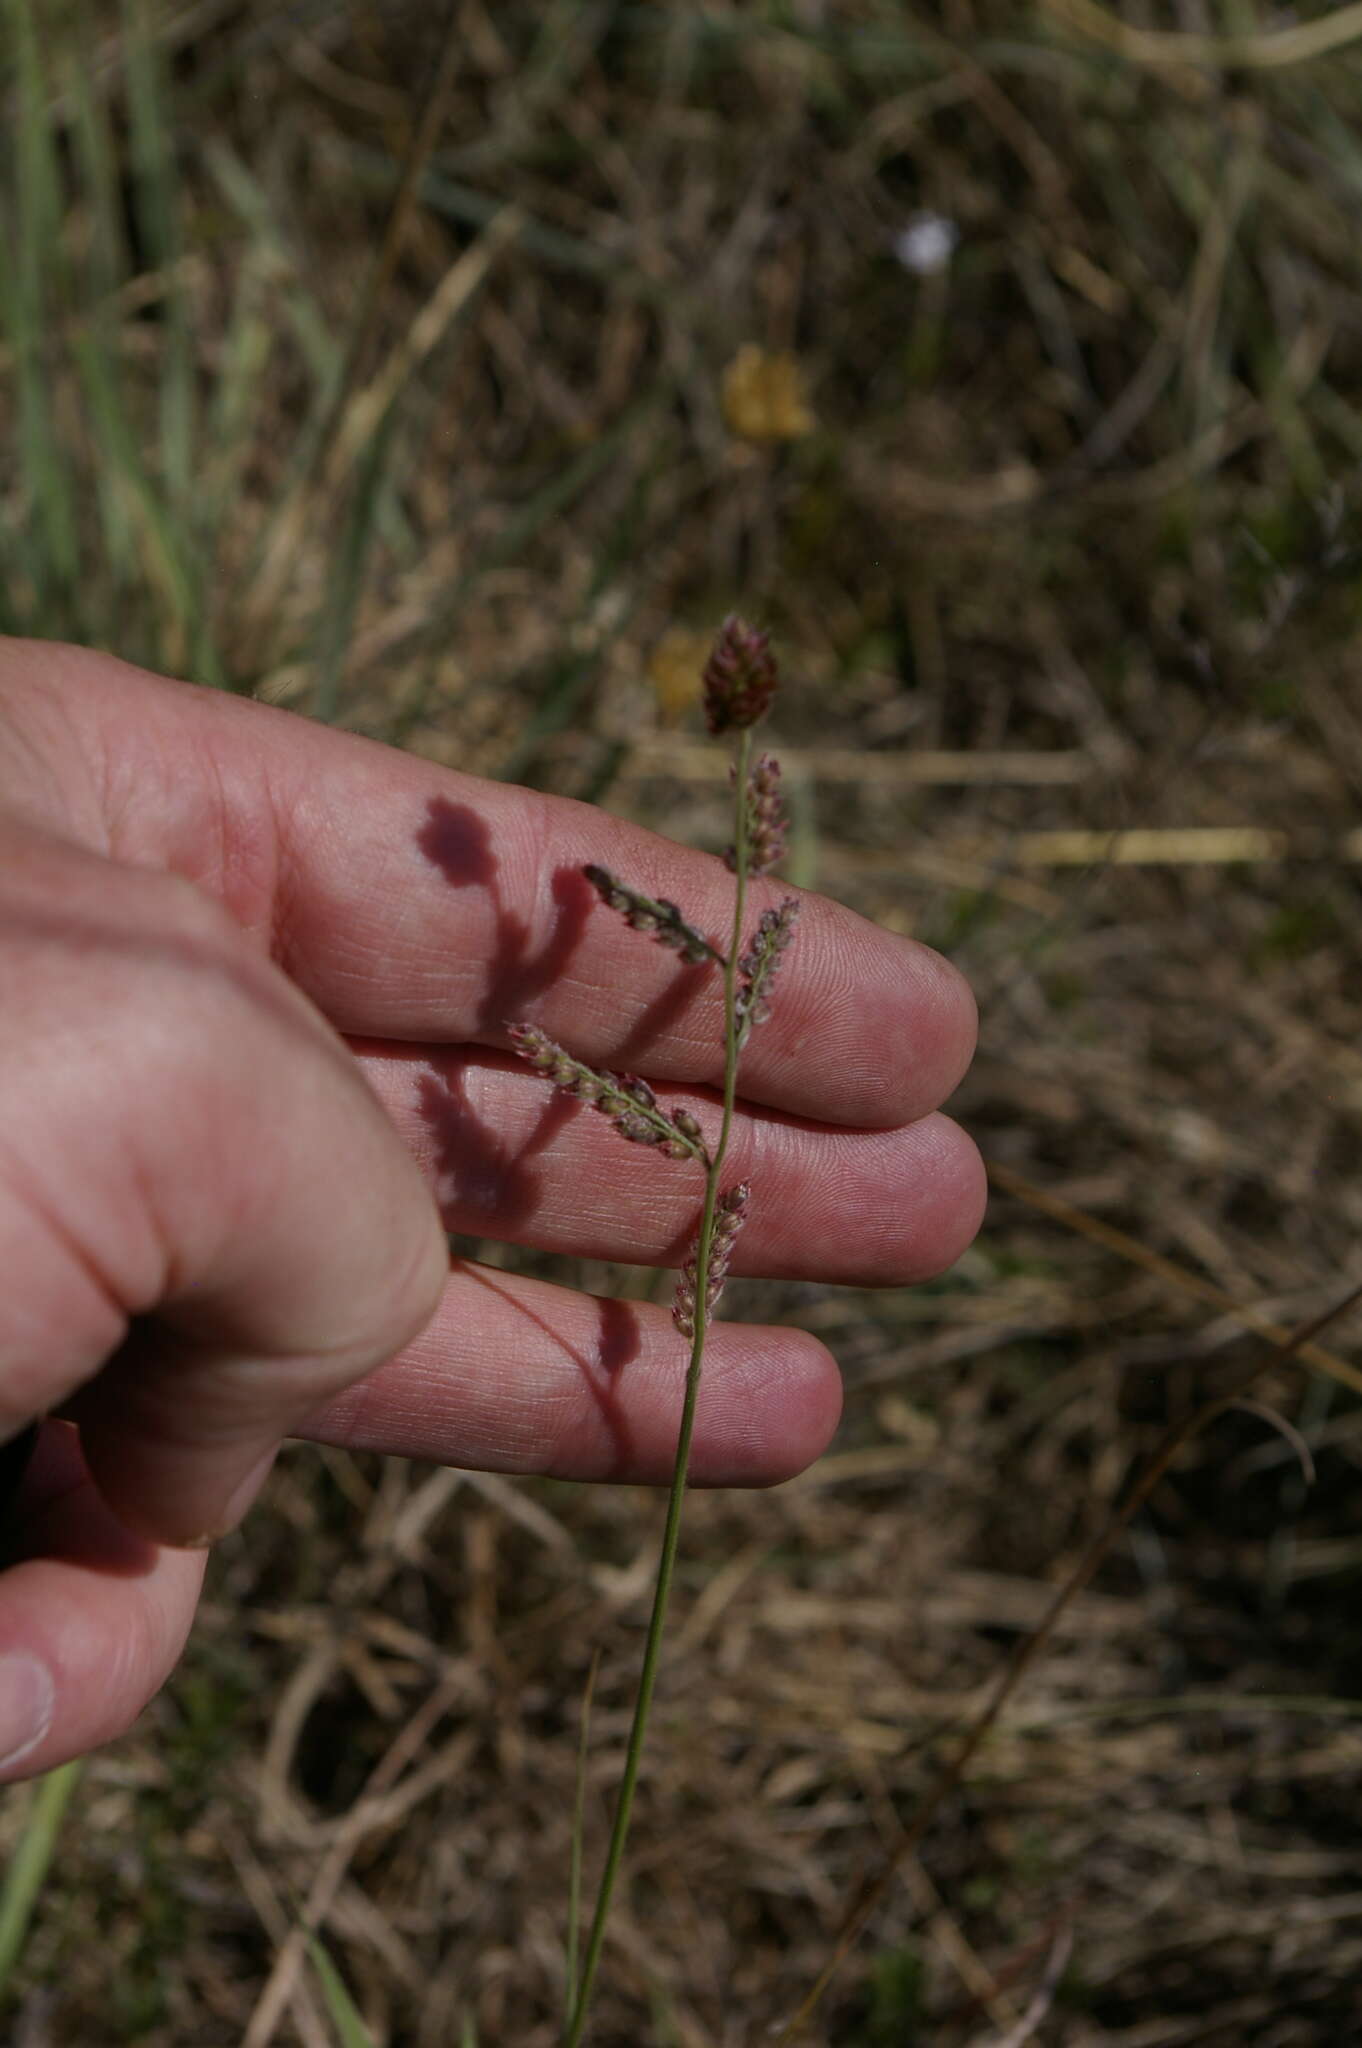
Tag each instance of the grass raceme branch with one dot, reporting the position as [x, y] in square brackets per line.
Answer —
[740, 680]
[629, 1102]
[654, 915]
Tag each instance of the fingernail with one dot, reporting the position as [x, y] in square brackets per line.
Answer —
[27, 1697]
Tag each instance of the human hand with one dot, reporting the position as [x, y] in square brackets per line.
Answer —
[255, 976]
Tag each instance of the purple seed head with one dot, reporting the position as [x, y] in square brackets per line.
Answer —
[765, 819]
[635, 1127]
[533, 1045]
[740, 676]
[729, 1212]
[759, 964]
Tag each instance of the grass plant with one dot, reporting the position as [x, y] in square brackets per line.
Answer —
[739, 684]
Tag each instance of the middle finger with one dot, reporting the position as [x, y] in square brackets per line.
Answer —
[513, 1159]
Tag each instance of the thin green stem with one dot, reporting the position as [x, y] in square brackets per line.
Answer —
[671, 1533]
[578, 1831]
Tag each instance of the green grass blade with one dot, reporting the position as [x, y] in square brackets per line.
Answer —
[158, 212]
[317, 344]
[351, 2031]
[33, 267]
[29, 1866]
[345, 581]
[96, 159]
[248, 199]
[376, 172]
[107, 267]
[247, 348]
[116, 441]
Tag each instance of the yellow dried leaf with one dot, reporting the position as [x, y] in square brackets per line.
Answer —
[675, 668]
[764, 395]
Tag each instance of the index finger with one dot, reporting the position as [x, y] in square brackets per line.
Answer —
[413, 902]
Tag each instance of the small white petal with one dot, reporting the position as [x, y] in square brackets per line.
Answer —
[926, 244]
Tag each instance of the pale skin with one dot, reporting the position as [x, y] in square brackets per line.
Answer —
[254, 977]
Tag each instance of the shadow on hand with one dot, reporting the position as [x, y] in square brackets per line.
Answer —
[456, 839]
[484, 1188]
[619, 1339]
[61, 1514]
[483, 1185]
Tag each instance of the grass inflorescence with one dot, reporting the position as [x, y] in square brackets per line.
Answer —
[740, 679]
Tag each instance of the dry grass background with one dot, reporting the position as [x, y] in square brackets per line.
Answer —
[1059, 544]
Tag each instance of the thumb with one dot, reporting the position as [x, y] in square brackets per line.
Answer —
[208, 1225]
